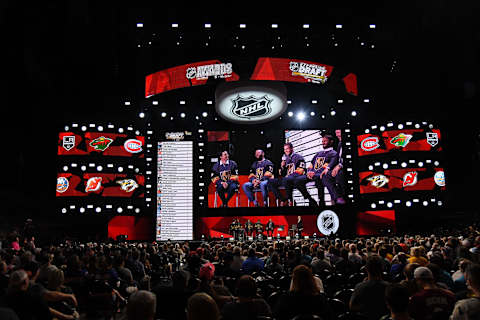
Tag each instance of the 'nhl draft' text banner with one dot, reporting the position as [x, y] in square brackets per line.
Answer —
[293, 70]
[188, 75]
[399, 140]
[107, 144]
[101, 184]
[408, 179]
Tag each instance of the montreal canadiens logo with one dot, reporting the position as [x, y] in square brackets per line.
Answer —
[410, 179]
[133, 145]
[439, 178]
[62, 184]
[369, 144]
[93, 184]
[251, 107]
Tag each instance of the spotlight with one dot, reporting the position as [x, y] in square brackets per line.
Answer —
[400, 126]
[385, 166]
[367, 130]
[119, 210]
[84, 128]
[137, 210]
[98, 209]
[99, 168]
[120, 130]
[332, 113]
[64, 210]
[82, 210]
[389, 204]
[408, 203]
[155, 102]
[67, 128]
[338, 26]
[372, 26]
[382, 128]
[204, 114]
[139, 25]
[354, 113]
[100, 128]
[323, 116]
[417, 125]
[312, 114]
[420, 164]
[314, 101]
[120, 169]
[65, 168]
[290, 113]
[127, 103]
[300, 116]
[370, 167]
[274, 26]
[373, 205]
[436, 163]
[425, 203]
[164, 114]
[182, 101]
[243, 26]
[83, 168]
[174, 25]
[141, 115]
[404, 164]
[182, 115]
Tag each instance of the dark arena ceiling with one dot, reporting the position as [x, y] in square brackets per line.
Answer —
[73, 60]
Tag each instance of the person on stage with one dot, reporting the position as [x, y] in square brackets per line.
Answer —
[260, 172]
[225, 177]
[299, 226]
[292, 167]
[320, 171]
[337, 172]
[258, 228]
[269, 228]
[249, 227]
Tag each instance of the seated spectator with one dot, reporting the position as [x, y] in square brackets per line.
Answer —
[320, 263]
[274, 264]
[368, 298]
[141, 305]
[409, 281]
[431, 302]
[459, 282]
[60, 309]
[469, 308]
[303, 298]
[201, 306]
[249, 305]
[416, 257]
[397, 297]
[252, 263]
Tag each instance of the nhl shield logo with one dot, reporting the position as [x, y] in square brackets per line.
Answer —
[68, 142]
[432, 138]
[251, 107]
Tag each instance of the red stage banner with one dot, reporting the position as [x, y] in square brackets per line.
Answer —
[103, 184]
[374, 222]
[188, 75]
[293, 70]
[399, 140]
[406, 179]
[107, 144]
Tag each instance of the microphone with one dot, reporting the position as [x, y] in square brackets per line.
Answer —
[284, 157]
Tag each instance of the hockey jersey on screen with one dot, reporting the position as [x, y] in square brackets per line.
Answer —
[325, 158]
[294, 164]
[261, 170]
[225, 171]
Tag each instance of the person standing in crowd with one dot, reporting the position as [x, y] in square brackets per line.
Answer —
[299, 226]
[431, 302]
[225, 177]
[368, 298]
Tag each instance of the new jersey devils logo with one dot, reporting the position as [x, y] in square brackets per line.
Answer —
[410, 179]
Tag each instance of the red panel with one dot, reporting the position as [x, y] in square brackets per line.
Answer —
[350, 81]
[215, 136]
[425, 180]
[109, 186]
[371, 222]
[176, 77]
[136, 228]
[278, 69]
[83, 144]
[418, 141]
[215, 227]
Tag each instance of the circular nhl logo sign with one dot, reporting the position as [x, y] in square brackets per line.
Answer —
[62, 184]
[328, 222]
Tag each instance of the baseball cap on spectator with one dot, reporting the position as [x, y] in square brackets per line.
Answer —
[207, 271]
[422, 273]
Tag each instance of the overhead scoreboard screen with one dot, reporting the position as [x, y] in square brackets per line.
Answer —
[175, 191]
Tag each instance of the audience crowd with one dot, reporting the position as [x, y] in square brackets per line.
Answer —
[384, 277]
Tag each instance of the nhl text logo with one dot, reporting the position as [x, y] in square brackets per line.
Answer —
[251, 107]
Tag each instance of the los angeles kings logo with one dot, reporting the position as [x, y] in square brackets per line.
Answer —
[251, 107]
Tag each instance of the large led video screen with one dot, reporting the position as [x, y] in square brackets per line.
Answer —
[275, 168]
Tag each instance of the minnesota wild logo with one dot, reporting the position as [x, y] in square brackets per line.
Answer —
[401, 140]
[101, 143]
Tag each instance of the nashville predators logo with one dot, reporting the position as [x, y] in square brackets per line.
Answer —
[378, 181]
[225, 175]
[319, 163]
[259, 173]
[128, 185]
